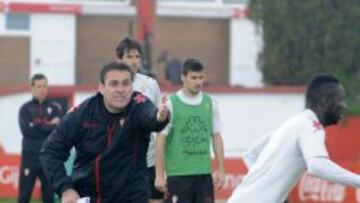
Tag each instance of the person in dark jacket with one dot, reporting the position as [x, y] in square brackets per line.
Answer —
[110, 132]
[37, 118]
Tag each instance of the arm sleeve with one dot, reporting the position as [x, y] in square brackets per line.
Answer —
[56, 151]
[253, 152]
[32, 128]
[324, 168]
[36, 128]
[25, 122]
[147, 116]
[216, 121]
[167, 128]
[312, 143]
[157, 94]
[45, 127]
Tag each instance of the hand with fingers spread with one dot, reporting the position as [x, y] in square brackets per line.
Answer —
[163, 111]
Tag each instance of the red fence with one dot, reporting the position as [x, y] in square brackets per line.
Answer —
[315, 190]
[9, 175]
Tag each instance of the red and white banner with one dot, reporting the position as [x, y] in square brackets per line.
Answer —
[314, 190]
[309, 189]
[9, 177]
[2, 6]
[235, 171]
[40, 7]
[44, 8]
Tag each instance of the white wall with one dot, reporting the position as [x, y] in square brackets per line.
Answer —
[2, 22]
[245, 117]
[81, 96]
[246, 43]
[53, 47]
[10, 135]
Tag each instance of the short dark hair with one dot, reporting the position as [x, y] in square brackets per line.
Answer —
[319, 88]
[127, 44]
[191, 65]
[118, 66]
[38, 76]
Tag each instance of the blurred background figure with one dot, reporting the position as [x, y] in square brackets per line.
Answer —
[129, 52]
[37, 118]
[172, 67]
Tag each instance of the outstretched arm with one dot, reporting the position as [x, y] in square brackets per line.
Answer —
[56, 150]
[312, 145]
[324, 168]
[151, 118]
[253, 152]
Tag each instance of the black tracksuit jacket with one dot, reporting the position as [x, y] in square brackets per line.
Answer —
[34, 120]
[110, 164]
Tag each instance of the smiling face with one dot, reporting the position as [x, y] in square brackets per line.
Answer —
[116, 90]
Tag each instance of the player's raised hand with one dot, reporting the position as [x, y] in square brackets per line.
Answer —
[69, 196]
[163, 111]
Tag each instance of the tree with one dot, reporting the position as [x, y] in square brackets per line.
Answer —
[306, 37]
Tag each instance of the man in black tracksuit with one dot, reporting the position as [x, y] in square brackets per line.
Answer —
[110, 132]
[37, 118]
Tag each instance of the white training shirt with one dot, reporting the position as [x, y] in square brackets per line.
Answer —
[298, 144]
[150, 88]
[195, 100]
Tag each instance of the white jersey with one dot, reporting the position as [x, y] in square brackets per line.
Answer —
[196, 100]
[282, 161]
[150, 88]
[298, 144]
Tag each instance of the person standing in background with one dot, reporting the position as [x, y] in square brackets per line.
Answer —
[183, 147]
[37, 118]
[128, 51]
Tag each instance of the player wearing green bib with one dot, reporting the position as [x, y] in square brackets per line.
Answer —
[183, 161]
